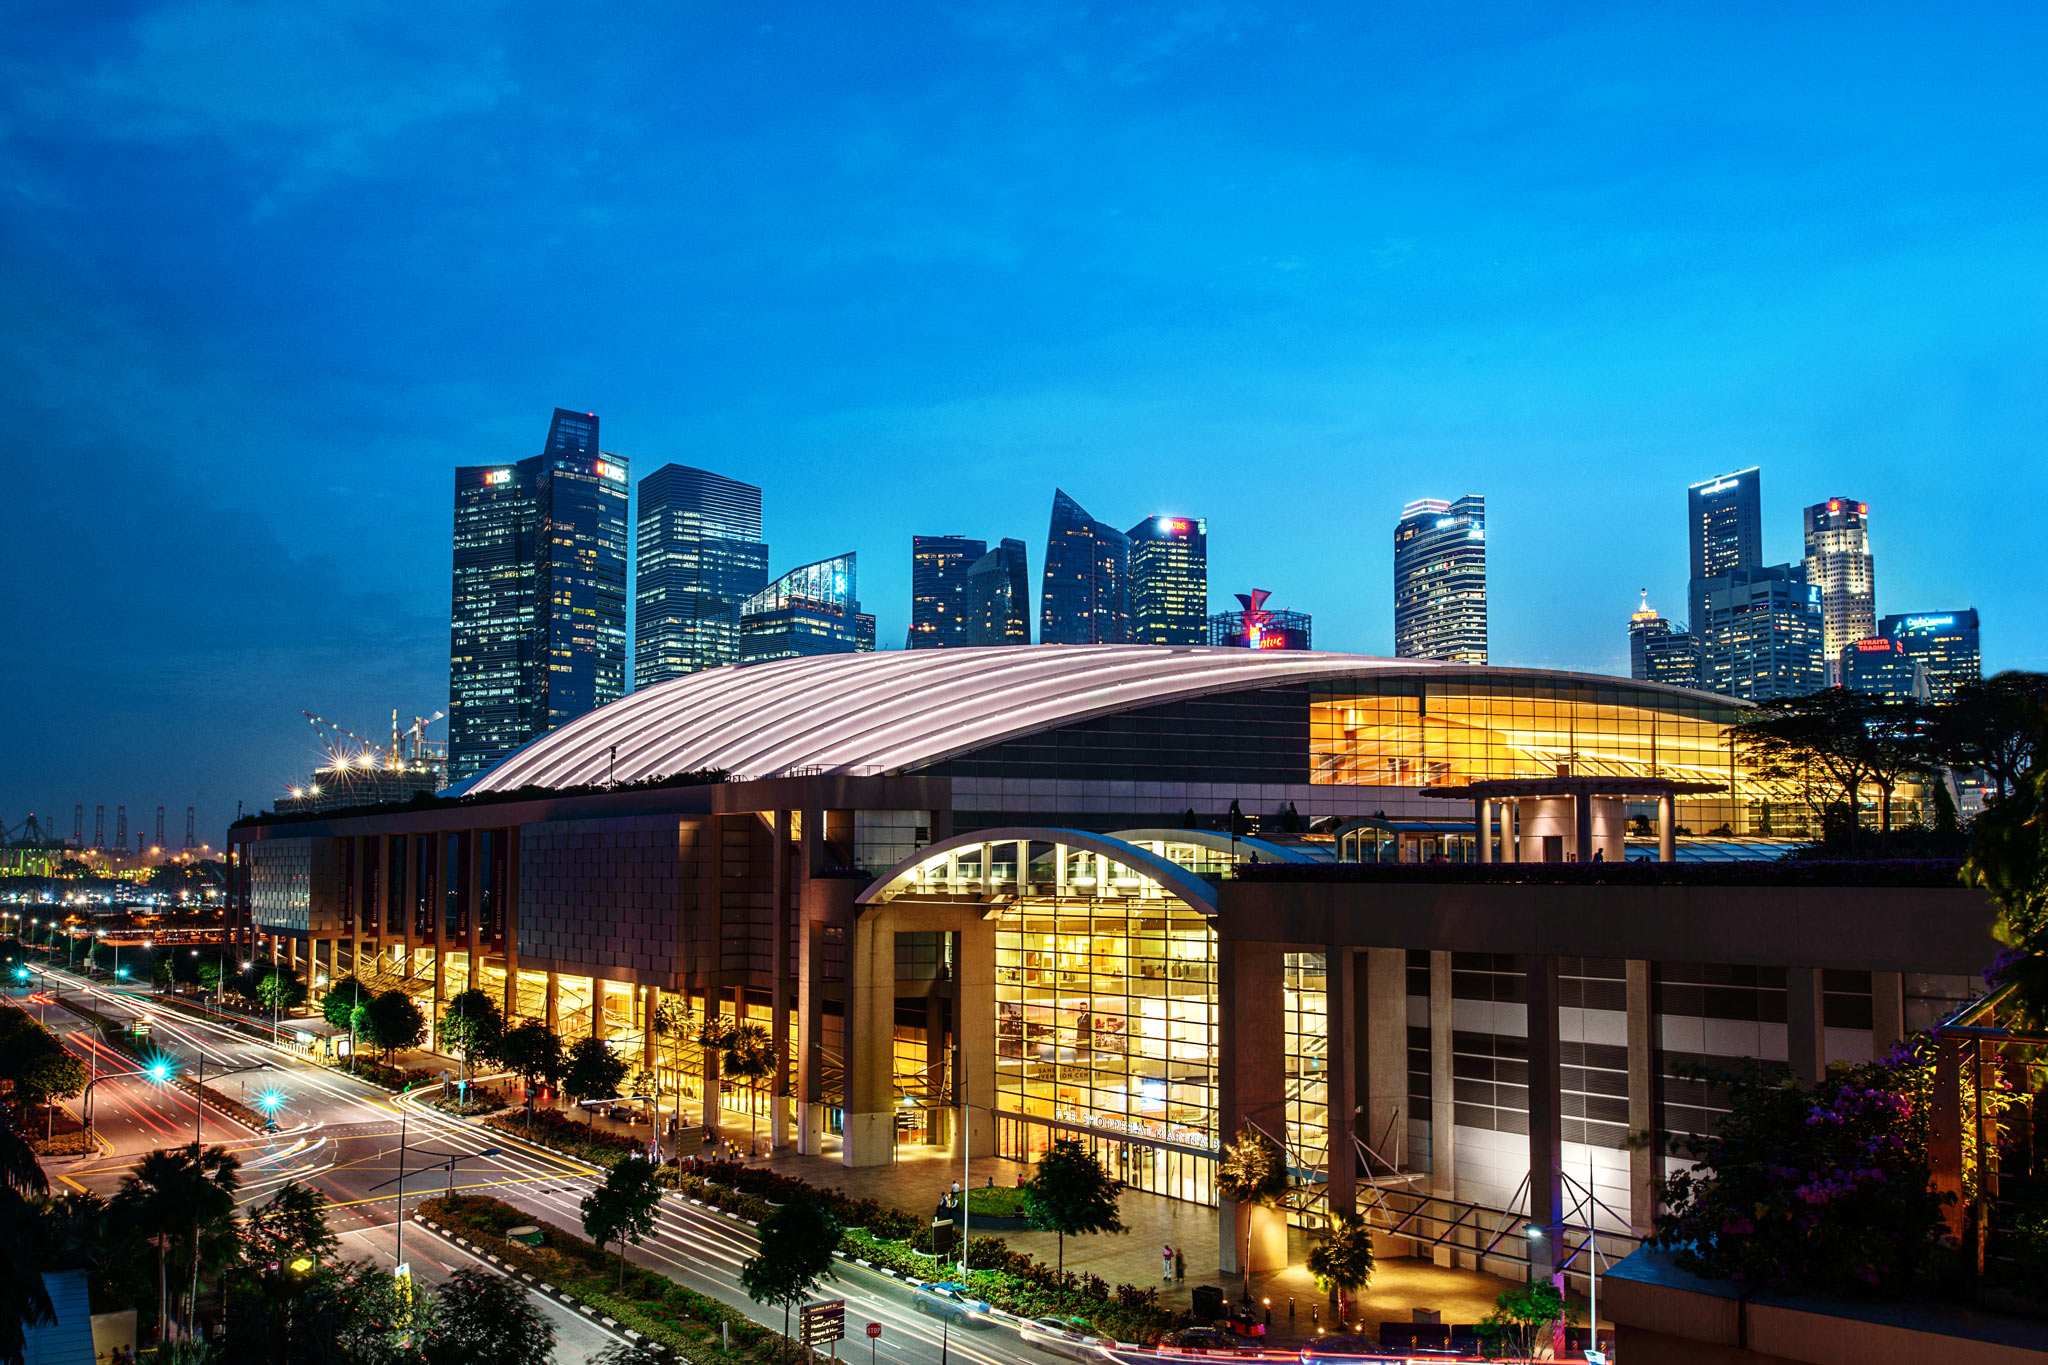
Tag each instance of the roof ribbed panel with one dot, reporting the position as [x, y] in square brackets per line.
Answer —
[870, 713]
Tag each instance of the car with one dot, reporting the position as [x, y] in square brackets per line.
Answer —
[949, 1299]
[1211, 1340]
[1067, 1337]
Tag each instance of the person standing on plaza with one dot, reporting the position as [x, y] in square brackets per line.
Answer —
[1166, 1261]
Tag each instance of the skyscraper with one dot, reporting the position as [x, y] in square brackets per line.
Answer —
[537, 627]
[1838, 563]
[999, 597]
[1945, 643]
[700, 555]
[1440, 580]
[1087, 594]
[1657, 653]
[814, 609]
[1883, 667]
[1169, 580]
[939, 609]
[1763, 634]
[1725, 525]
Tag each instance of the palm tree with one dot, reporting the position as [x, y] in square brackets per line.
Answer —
[173, 1189]
[674, 1023]
[749, 1056]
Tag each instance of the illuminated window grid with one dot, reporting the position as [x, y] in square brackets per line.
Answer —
[1305, 1020]
[1106, 1018]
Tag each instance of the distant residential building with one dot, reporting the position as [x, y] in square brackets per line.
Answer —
[700, 555]
[814, 609]
[537, 626]
[1838, 563]
[999, 597]
[1440, 580]
[1255, 627]
[1725, 533]
[939, 608]
[1883, 667]
[1944, 642]
[1657, 653]
[1087, 595]
[1169, 580]
[1763, 634]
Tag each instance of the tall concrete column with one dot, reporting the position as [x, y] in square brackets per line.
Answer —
[1482, 817]
[1805, 1038]
[554, 1002]
[779, 989]
[810, 994]
[870, 1131]
[439, 910]
[1887, 1012]
[1582, 827]
[1511, 830]
[509, 895]
[600, 990]
[650, 1054]
[1645, 1163]
[1385, 1025]
[937, 1117]
[1546, 1125]
[1340, 978]
[974, 1033]
[1667, 829]
[1251, 1085]
[1443, 1110]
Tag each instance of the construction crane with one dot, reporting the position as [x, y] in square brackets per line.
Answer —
[416, 732]
[408, 747]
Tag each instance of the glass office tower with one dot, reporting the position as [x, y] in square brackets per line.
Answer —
[1440, 580]
[1087, 594]
[1763, 634]
[1169, 580]
[537, 626]
[814, 609]
[940, 610]
[1725, 528]
[1945, 643]
[700, 555]
[1883, 667]
[1838, 563]
[999, 597]
[1657, 653]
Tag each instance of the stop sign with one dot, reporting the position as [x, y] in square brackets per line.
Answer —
[874, 1329]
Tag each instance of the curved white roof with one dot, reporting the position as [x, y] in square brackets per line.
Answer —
[871, 713]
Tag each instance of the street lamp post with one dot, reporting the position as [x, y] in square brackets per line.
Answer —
[447, 1162]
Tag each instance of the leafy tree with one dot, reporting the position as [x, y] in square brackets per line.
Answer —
[1825, 1188]
[532, 1049]
[623, 1208]
[1070, 1194]
[24, 1303]
[344, 998]
[1820, 743]
[797, 1241]
[329, 1314]
[1521, 1318]
[1343, 1262]
[1996, 724]
[1253, 1171]
[750, 1057]
[392, 1021]
[162, 969]
[2009, 859]
[472, 1027]
[279, 988]
[34, 1065]
[489, 1319]
[592, 1071]
[173, 1190]
[289, 1226]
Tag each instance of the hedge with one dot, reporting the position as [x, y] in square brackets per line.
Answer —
[553, 1129]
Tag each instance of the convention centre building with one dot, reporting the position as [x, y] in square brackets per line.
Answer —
[1457, 936]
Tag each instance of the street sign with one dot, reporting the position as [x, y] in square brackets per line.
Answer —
[823, 1323]
[874, 1329]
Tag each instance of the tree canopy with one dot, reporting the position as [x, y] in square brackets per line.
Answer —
[392, 1021]
[489, 1319]
[532, 1049]
[592, 1071]
[1070, 1194]
[624, 1208]
[471, 1027]
[797, 1241]
[345, 998]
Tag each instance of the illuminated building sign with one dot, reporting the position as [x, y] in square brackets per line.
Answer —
[1177, 525]
[1928, 622]
[498, 476]
[1718, 486]
[607, 470]
[1874, 646]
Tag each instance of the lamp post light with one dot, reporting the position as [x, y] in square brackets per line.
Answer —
[447, 1163]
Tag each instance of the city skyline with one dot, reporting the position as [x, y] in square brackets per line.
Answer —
[233, 451]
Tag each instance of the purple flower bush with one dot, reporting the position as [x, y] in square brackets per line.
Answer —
[1824, 1189]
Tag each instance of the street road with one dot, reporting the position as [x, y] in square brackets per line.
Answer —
[342, 1136]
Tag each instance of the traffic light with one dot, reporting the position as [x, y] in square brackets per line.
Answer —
[270, 1100]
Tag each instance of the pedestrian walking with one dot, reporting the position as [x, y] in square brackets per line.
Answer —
[1180, 1264]
[1166, 1262]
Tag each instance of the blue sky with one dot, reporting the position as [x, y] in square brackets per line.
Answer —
[273, 270]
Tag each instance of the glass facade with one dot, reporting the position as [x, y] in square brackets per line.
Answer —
[1305, 1014]
[700, 555]
[940, 608]
[1087, 595]
[1944, 642]
[1169, 580]
[537, 626]
[999, 597]
[1763, 634]
[1440, 580]
[1838, 563]
[809, 610]
[1725, 531]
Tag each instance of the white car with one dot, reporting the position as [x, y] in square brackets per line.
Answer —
[1066, 1336]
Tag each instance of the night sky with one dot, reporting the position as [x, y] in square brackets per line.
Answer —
[272, 270]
